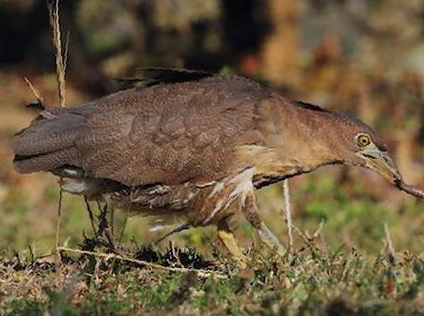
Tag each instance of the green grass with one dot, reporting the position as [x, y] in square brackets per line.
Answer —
[344, 271]
[310, 283]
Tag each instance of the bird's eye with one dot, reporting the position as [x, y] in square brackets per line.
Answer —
[363, 140]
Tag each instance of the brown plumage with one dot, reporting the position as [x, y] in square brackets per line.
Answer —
[190, 143]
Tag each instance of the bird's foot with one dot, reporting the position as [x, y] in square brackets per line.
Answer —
[269, 239]
[251, 213]
[227, 238]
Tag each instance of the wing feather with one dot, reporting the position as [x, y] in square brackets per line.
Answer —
[166, 133]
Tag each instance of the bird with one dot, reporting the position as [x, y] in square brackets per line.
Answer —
[195, 145]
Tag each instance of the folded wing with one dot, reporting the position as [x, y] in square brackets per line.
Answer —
[166, 133]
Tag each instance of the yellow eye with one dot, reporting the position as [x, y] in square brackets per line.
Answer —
[363, 140]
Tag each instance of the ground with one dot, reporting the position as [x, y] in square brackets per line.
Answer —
[344, 269]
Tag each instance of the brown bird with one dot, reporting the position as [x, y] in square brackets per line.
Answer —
[196, 145]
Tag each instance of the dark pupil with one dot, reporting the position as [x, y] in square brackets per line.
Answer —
[364, 140]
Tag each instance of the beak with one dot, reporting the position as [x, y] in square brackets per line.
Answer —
[380, 162]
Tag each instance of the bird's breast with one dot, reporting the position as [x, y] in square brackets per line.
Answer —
[270, 165]
[200, 203]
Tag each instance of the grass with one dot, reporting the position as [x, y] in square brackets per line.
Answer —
[310, 283]
[344, 271]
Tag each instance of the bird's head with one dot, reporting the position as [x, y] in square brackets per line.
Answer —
[362, 146]
[323, 137]
[374, 156]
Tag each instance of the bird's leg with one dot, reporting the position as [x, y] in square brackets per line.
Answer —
[112, 219]
[104, 227]
[175, 230]
[90, 214]
[227, 238]
[250, 210]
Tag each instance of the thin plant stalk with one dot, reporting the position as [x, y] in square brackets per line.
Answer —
[288, 214]
[61, 59]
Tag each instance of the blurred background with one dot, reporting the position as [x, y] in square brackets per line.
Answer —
[364, 57]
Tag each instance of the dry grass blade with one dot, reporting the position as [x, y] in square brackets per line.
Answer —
[308, 238]
[288, 214]
[389, 285]
[58, 222]
[199, 272]
[36, 93]
[390, 250]
[53, 8]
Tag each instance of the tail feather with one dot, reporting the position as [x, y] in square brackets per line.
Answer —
[47, 143]
[47, 161]
[47, 135]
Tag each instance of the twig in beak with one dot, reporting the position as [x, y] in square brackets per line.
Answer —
[419, 193]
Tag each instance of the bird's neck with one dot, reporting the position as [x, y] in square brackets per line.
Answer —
[297, 139]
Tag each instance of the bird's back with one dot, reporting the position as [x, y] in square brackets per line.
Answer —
[170, 131]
